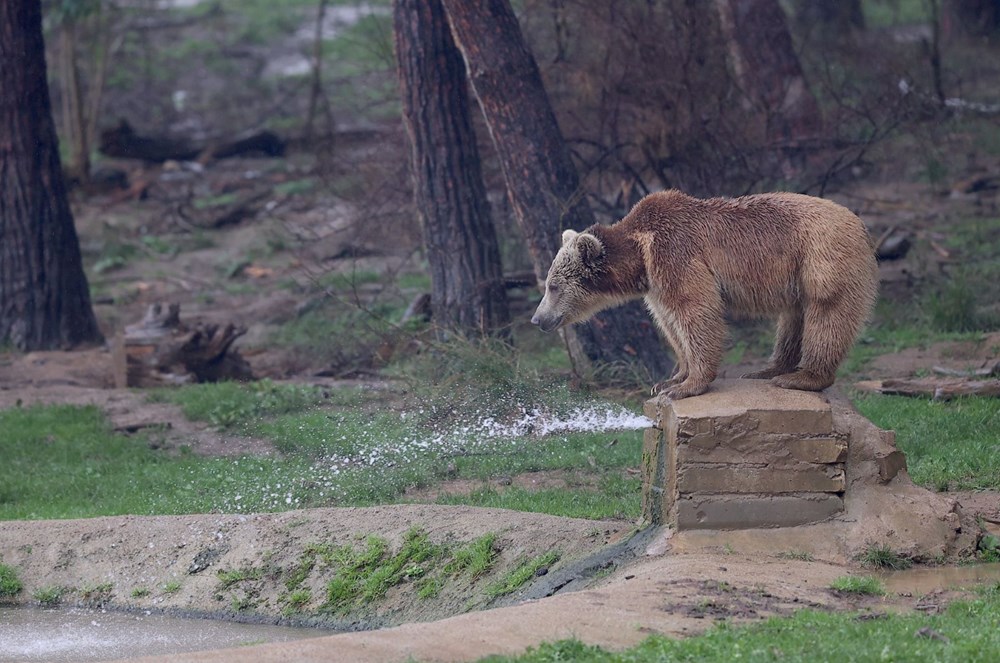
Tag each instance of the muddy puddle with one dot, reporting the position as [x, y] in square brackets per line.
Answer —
[920, 581]
[34, 634]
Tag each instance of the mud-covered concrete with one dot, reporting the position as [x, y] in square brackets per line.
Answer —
[746, 454]
[749, 455]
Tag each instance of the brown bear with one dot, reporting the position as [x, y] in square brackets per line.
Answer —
[807, 261]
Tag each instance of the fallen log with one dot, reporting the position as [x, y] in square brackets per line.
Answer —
[939, 389]
[988, 371]
[123, 142]
[160, 350]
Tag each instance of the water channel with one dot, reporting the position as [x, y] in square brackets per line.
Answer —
[79, 634]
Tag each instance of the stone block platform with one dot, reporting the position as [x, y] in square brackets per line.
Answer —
[744, 455]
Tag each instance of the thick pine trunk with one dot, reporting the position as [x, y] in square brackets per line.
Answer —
[44, 297]
[542, 182]
[768, 69]
[467, 287]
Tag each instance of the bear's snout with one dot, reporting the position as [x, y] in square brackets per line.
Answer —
[545, 322]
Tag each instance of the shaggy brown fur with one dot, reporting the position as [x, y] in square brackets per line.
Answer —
[805, 260]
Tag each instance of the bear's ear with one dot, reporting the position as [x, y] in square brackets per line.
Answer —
[591, 249]
[568, 235]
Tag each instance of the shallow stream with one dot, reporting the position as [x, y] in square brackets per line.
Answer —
[926, 579]
[35, 634]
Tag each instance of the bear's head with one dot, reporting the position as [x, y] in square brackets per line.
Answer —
[572, 292]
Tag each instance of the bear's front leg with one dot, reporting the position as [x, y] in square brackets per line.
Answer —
[663, 321]
[697, 330]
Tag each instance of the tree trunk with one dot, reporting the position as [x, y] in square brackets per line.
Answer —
[768, 69]
[44, 297]
[542, 182]
[467, 292]
[977, 18]
[76, 134]
[830, 20]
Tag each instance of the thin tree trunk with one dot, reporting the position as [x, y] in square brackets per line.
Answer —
[316, 87]
[542, 182]
[44, 297]
[104, 48]
[79, 158]
[468, 292]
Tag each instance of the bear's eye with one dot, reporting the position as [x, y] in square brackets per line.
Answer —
[553, 287]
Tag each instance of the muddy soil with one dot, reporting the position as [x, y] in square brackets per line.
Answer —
[612, 586]
[102, 561]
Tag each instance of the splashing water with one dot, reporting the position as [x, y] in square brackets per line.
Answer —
[589, 419]
[372, 458]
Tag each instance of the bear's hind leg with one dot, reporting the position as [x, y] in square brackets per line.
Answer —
[787, 346]
[827, 337]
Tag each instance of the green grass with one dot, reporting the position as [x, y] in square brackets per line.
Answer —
[615, 498]
[948, 445]
[864, 585]
[988, 550]
[172, 587]
[338, 447]
[49, 596]
[519, 576]
[966, 632]
[884, 13]
[476, 559]
[140, 592]
[10, 582]
[96, 596]
[236, 405]
[883, 557]
[365, 574]
[228, 578]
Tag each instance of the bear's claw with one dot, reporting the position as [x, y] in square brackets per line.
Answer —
[804, 380]
[687, 389]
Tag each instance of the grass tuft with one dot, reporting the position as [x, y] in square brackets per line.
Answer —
[521, 575]
[475, 559]
[10, 582]
[366, 574]
[231, 577]
[883, 557]
[864, 585]
[49, 596]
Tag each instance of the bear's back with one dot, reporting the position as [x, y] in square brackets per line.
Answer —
[758, 247]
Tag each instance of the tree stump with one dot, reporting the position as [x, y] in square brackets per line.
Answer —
[160, 350]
